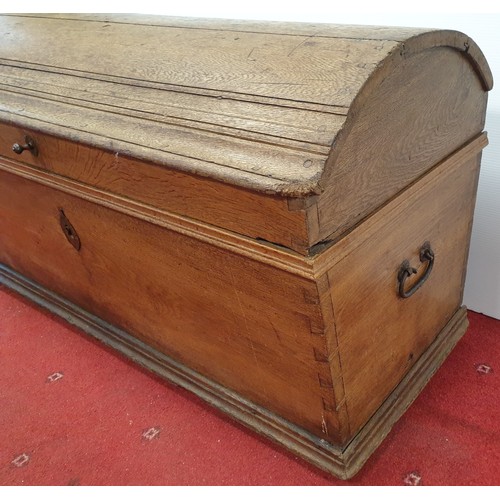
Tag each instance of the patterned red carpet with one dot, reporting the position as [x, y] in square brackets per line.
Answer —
[74, 413]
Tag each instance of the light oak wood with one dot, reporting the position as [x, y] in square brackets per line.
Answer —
[256, 215]
[199, 303]
[307, 84]
[420, 113]
[242, 63]
[196, 294]
[311, 267]
[333, 254]
[231, 203]
[239, 25]
[380, 335]
[343, 463]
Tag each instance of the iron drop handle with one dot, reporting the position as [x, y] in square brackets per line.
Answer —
[29, 145]
[405, 271]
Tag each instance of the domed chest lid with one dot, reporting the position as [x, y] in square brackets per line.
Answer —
[287, 109]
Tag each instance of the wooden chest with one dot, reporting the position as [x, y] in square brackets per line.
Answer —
[274, 216]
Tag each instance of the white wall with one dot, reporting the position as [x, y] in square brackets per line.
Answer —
[482, 290]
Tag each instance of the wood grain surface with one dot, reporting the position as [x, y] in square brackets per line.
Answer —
[424, 110]
[233, 201]
[258, 105]
[252, 327]
[249, 213]
[268, 318]
[343, 463]
[381, 335]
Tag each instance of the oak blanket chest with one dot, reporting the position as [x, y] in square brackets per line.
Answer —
[274, 216]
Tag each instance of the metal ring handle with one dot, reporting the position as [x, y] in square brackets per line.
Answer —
[405, 271]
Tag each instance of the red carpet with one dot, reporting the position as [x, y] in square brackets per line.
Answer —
[74, 413]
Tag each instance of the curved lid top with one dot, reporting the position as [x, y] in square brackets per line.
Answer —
[256, 104]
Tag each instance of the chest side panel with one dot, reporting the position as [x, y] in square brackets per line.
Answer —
[425, 109]
[380, 333]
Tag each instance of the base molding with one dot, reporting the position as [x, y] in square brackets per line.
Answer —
[343, 463]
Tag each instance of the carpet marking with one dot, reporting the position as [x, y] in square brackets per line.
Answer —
[412, 479]
[21, 460]
[484, 369]
[150, 434]
[54, 377]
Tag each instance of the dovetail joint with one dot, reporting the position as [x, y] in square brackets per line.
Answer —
[327, 406]
[325, 381]
[320, 356]
[315, 329]
[310, 298]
